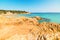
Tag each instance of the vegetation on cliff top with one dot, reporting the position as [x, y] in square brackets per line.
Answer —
[12, 11]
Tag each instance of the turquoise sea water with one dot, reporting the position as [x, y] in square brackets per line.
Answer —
[53, 17]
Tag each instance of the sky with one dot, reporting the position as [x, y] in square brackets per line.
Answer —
[31, 5]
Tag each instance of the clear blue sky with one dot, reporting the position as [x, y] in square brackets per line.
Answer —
[31, 5]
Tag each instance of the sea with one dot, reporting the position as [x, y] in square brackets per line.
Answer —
[49, 17]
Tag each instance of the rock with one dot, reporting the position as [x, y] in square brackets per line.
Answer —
[38, 18]
[23, 28]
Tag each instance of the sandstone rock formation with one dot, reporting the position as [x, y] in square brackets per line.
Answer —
[23, 28]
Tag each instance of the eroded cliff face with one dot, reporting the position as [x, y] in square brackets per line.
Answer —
[24, 28]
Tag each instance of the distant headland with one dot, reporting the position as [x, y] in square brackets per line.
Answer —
[13, 11]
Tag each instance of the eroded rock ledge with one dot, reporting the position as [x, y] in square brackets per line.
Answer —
[23, 28]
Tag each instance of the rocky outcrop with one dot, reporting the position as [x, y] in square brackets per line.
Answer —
[38, 18]
[24, 28]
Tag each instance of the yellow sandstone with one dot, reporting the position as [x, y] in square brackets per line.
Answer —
[23, 28]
